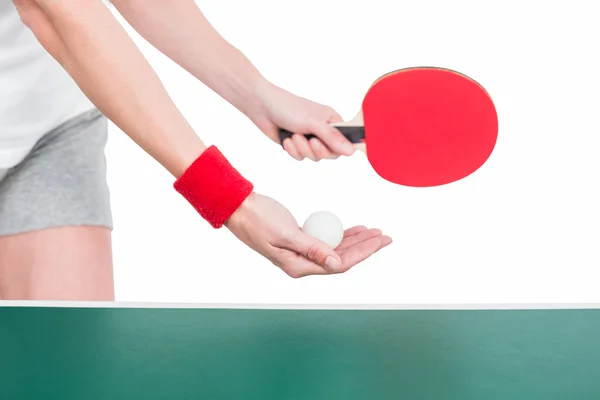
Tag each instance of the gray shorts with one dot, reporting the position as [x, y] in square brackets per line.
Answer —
[62, 182]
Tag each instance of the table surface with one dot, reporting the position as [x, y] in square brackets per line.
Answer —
[221, 352]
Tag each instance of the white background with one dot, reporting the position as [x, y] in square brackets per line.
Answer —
[524, 228]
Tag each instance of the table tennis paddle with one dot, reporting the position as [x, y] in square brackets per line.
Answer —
[423, 126]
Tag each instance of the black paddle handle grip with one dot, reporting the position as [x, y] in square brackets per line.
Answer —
[283, 134]
[355, 134]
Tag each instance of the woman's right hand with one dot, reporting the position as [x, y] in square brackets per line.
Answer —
[271, 230]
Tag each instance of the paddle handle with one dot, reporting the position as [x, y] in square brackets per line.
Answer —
[355, 134]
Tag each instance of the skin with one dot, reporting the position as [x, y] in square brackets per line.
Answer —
[67, 263]
[85, 38]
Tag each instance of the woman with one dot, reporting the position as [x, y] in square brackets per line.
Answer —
[65, 67]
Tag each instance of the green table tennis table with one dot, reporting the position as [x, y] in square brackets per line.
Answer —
[261, 352]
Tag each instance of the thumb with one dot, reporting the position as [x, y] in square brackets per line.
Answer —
[316, 251]
[333, 139]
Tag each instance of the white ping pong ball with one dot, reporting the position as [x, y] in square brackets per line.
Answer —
[326, 227]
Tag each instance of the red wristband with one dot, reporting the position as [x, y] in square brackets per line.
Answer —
[213, 187]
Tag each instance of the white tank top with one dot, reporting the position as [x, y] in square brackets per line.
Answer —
[36, 93]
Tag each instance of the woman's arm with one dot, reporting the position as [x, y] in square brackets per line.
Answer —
[180, 31]
[90, 44]
[86, 39]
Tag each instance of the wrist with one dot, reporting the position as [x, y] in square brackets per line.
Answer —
[257, 101]
[240, 215]
[185, 156]
[213, 187]
[247, 95]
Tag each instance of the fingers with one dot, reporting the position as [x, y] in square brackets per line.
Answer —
[303, 147]
[385, 241]
[304, 255]
[288, 146]
[353, 240]
[321, 151]
[362, 250]
[315, 119]
[329, 144]
[299, 266]
[315, 251]
[333, 139]
[299, 148]
[354, 230]
[296, 266]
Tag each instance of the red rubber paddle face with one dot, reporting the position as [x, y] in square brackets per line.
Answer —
[428, 126]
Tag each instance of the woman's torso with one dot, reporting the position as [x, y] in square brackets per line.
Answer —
[36, 93]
